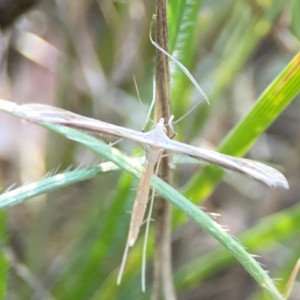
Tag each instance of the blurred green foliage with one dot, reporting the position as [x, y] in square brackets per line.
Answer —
[243, 54]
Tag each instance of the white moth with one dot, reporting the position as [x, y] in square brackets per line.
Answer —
[156, 139]
[156, 142]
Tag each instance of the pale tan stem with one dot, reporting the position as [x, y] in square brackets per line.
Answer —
[142, 195]
[162, 270]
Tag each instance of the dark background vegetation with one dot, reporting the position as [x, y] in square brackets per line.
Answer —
[82, 56]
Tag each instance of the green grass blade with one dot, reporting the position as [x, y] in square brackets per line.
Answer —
[262, 237]
[247, 28]
[51, 183]
[182, 19]
[101, 244]
[270, 104]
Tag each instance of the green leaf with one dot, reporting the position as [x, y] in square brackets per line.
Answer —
[277, 96]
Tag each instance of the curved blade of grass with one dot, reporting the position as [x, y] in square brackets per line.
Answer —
[270, 104]
[182, 19]
[99, 247]
[242, 32]
[234, 49]
[176, 199]
[51, 183]
[175, 15]
[262, 237]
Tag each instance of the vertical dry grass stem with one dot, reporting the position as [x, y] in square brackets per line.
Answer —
[162, 265]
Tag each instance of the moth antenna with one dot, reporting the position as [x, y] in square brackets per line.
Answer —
[187, 113]
[142, 104]
[151, 105]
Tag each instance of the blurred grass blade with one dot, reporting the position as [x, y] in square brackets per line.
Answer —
[51, 183]
[260, 238]
[248, 27]
[291, 281]
[101, 243]
[182, 16]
